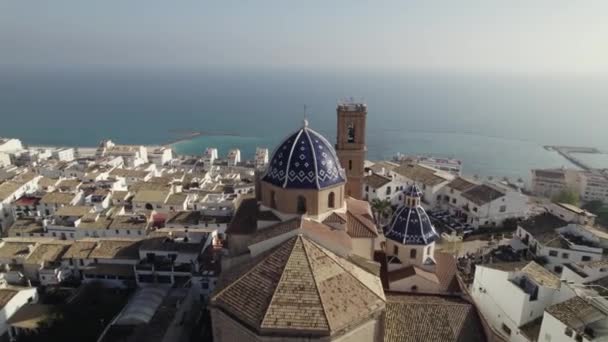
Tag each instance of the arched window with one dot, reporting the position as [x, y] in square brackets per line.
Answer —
[331, 200]
[412, 253]
[350, 132]
[273, 199]
[350, 164]
[301, 205]
[149, 206]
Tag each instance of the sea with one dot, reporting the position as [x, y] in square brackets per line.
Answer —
[496, 124]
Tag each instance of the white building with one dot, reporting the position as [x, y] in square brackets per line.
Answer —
[381, 187]
[64, 154]
[593, 186]
[550, 182]
[571, 213]
[133, 155]
[430, 181]
[209, 157]
[510, 296]
[5, 159]
[261, 157]
[234, 157]
[160, 155]
[12, 299]
[9, 145]
[485, 204]
[12, 190]
[557, 241]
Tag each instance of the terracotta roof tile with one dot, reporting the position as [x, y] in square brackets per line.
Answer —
[301, 287]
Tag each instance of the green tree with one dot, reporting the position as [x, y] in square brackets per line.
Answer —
[567, 196]
[382, 210]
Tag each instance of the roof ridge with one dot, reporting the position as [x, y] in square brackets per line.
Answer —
[283, 274]
[324, 250]
[257, 264]
[316, 285]
[356, 217]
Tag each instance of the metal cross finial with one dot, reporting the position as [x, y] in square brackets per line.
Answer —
[305, 121]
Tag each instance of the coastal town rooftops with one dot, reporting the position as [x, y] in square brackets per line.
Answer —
[11, 249]
[151, 196]
[376, 181]
[129, 173]
[69, 184]
[417, 317]
[482, 194]
[120, 195]
[575, 312]
[101, 222]
[6, 295]
[80, 250]
[46, 182]
[8, 188]
[57, 198]
[558, 174]
[544, 223]
[301, 287]
[129, 222]
[47, 252]
[116, 249]
[26, 226]
[541, 275]
[143, 186]
[28, 201]
[383, 166]
[177, 199]
[421, 174]
[166, 243]
[74, 211]
[461, 184]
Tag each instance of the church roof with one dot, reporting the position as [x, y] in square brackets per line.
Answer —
[299, 287]
[431, 318]
[410, 225]
[304, 160]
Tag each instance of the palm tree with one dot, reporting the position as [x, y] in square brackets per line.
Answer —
[382, 210]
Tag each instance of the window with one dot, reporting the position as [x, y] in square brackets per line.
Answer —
[585, 258]
[71, 261]
[350, 164]
[506, 329]
[475, 209]
[301, 205]
[412, 254]
[158, 206]
[81, 262]
[503, 208]
[454, 200]
[553, 253]
[331, 200]
[388, 190]
[128, 232]
[350, 133]
[395, 250]
[439, 197]
[557, 269]
[367, 188]
[565, 255]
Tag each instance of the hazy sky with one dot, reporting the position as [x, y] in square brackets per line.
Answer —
[485, 35]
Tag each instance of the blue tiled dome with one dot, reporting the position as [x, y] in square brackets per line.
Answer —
[304, 160]
[411, 225]
[412, 191]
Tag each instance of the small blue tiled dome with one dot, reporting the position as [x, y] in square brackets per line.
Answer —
[304, 160]
[410, 224]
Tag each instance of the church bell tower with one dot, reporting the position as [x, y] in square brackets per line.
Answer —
[350, 145]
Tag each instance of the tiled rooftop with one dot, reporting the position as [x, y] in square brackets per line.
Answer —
[431, 319]
[302, 287]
